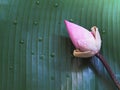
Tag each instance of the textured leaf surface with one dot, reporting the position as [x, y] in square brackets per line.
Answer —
[36, 52]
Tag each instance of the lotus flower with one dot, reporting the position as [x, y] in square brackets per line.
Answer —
[87, 43]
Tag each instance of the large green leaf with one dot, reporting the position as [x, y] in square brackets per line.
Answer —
[36, 52]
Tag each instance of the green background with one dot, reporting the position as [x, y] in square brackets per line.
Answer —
[36, 52]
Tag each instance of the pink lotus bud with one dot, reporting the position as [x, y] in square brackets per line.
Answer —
[87, 43]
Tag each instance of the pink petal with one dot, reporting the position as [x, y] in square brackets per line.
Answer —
[81, 37]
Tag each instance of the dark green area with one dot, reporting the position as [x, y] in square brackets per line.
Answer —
[36, 52]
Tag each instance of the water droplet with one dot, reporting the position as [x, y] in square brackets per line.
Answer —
[71, 20]
[11, 68]
[32, 53]
[15, 22]
[35, 22]
[56, 5]
[37, 2]
[85, 42]
[42, 56]
[82, 8]
[40, 39]
[52, 54]
[22, 42]
[59, 22]
[67, 76]
[103, 31]
[52, 78]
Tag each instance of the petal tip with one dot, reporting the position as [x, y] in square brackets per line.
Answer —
[66, 21]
